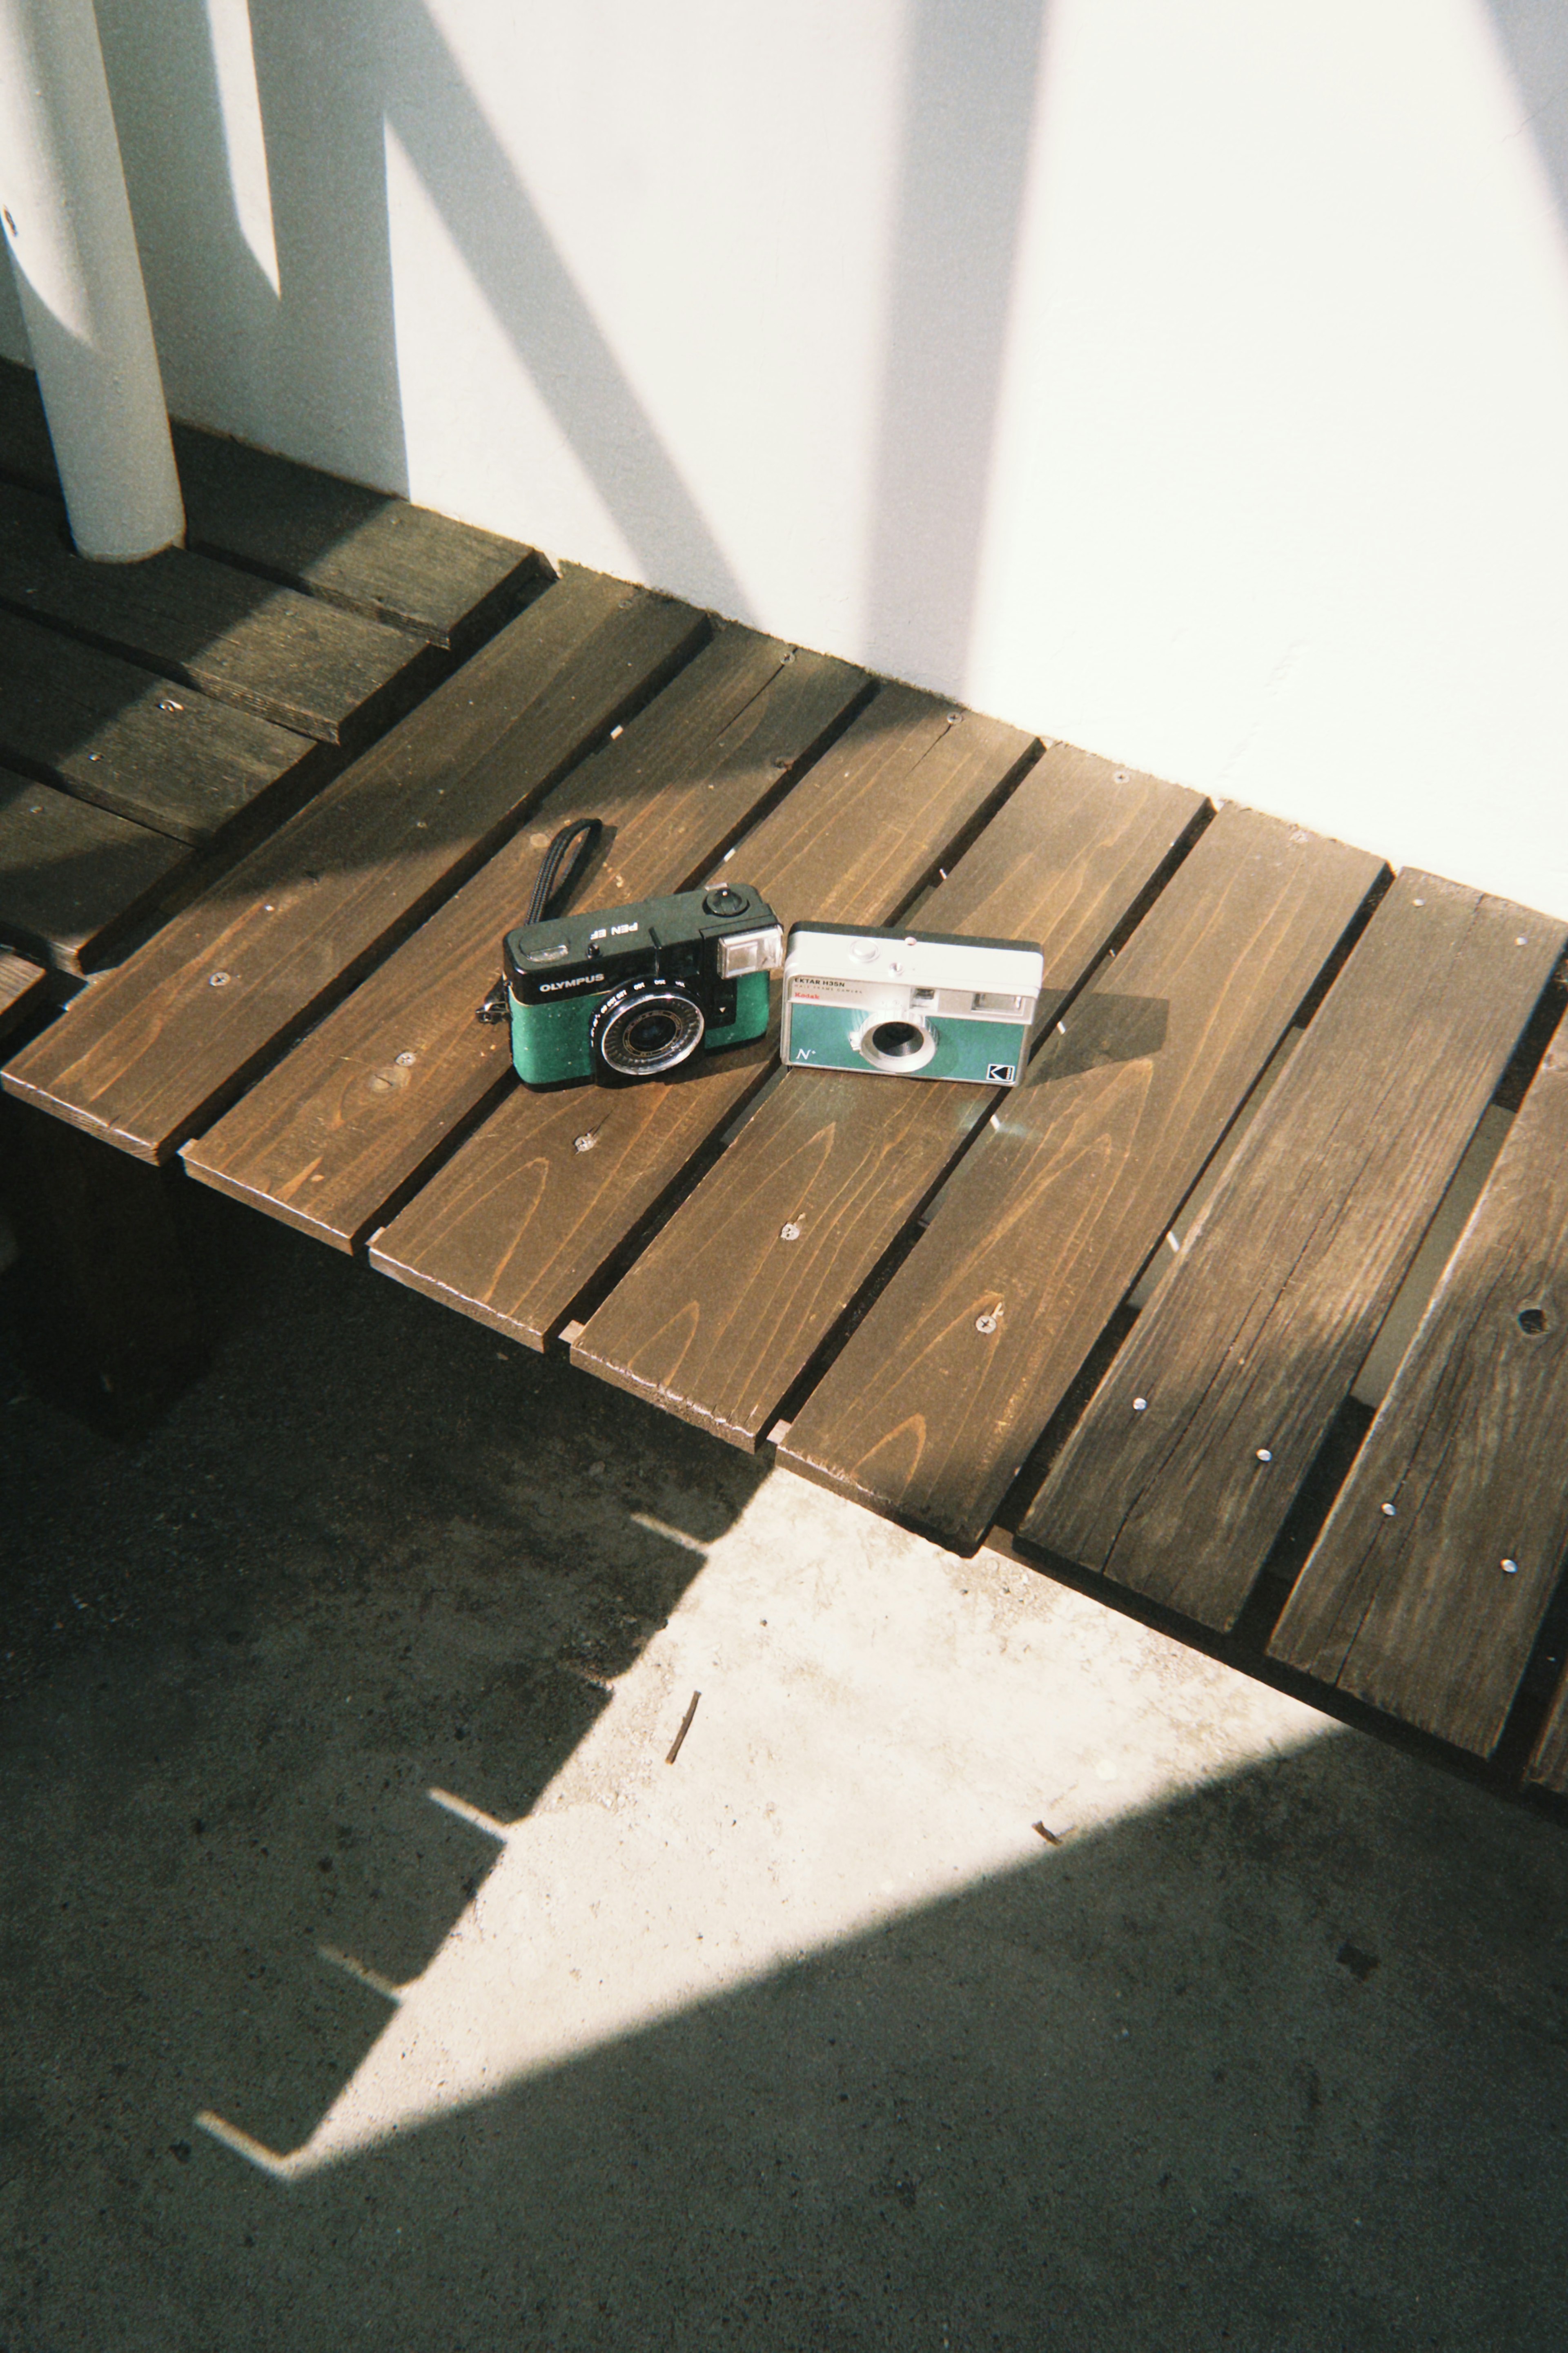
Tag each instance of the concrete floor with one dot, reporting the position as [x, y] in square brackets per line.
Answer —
[809, 2040]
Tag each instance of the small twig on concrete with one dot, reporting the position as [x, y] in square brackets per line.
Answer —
[685, 1728]
[1052, 1838]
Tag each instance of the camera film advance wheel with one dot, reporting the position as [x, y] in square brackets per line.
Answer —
[899, 1042]
[646, 1027]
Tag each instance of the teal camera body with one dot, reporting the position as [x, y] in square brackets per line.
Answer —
[632, 992]
[928, 1005]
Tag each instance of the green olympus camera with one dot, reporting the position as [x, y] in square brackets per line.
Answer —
[630, 992]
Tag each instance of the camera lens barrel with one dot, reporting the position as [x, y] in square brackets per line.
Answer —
[899, 1042]
[646, 1027]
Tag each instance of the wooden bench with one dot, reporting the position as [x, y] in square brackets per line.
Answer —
[923, 1296]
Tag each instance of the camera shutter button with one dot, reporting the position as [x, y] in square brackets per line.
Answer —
[725, 902]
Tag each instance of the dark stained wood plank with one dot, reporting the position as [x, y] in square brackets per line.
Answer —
[330, 1136]
[1256, 1334]
[448, 582]
[21, 985]
[153, 1048]
[158, 753]
[294, 660]
[1414, 1608]
[930, 1411]
[538, 1200]
[1549, 1762]
[72, 875]
[725, 1308]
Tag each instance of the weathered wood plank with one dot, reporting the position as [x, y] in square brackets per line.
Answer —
[536, 1202]
[1416, 1608]
[304, 664]
[725, 1308]
[71, 875]
[447, 582]
[157, 1046]
[21, 985]
[930, 1411]
[1256, 1334]
[116, 734]
[329, 1137]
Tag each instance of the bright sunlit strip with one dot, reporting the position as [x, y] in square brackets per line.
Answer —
[245, 143]
[881, 1728]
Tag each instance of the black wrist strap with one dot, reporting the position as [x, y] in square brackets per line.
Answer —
[551, 892]
[551, 895]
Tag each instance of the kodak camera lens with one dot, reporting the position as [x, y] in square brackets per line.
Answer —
[646, 1027]
[895, 1045]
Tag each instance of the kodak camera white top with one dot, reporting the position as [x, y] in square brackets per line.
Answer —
[1005, 975]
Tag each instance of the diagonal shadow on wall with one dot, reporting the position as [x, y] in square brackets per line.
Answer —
[968, 116]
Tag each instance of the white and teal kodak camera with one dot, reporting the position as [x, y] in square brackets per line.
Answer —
[928, 1005]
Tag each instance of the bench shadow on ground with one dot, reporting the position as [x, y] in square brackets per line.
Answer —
[1279, 2065]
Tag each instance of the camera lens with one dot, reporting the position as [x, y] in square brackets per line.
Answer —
[646, 1029]
[895, 1044]
[898, 1040]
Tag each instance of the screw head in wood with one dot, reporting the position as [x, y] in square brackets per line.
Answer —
[1264, 1455]
[1390, 1511]
[790, 1233]
[1140, 1405]
[585, 1143]
[1511, 1569]
[406, 1061]
[987, 1322]
[217, 980]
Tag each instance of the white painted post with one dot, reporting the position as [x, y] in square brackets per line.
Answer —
[68, 226]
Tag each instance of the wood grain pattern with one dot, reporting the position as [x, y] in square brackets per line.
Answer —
[297, 661]
[536, 1202]
[147, 1055]
[930, 1411]
[22, 984]
[326, 1140]
[116, 734]
[72, 875]
[364, 550]
[1256, 1334]
[1415, 1609]
[724, 1309]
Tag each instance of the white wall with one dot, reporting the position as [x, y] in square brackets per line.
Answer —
[1192, 381]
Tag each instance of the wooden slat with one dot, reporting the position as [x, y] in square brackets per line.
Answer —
[155, 1047]
[930, 1411]
[295, 659]
[329, 1137]
[1256, 1334]
[1413, 1609]
[1549, 1763]
[537, 1201]
[447, 582]
[150, 750]
[72, 875]
[21, 983]
[725, 1308]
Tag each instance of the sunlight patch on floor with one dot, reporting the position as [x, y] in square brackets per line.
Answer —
[880, 1726]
